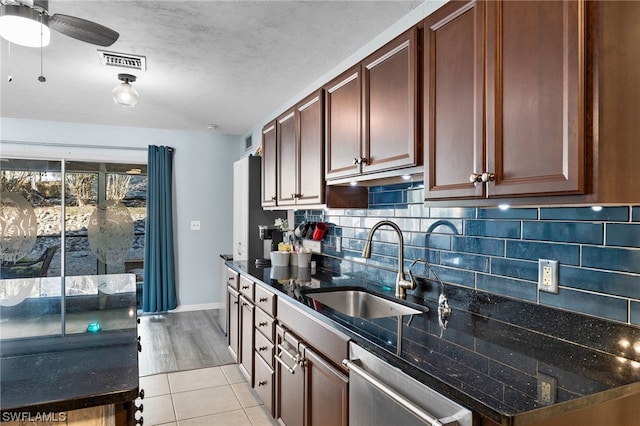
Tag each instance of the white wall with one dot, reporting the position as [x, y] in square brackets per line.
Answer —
[203, 173]
[425, 9]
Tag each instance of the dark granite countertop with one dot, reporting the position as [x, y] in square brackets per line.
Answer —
[494, 351]
[73, 372]
[52, 362]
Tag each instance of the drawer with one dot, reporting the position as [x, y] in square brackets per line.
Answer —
[264, 348]
[232, 278]
[331, 343]
[264, 383]
[265, 324]
[265, 300]
[246, 287]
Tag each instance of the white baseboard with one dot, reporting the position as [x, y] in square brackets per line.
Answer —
[197, 307]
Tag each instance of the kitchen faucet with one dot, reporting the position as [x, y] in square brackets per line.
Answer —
[444, 310]
[401, 283]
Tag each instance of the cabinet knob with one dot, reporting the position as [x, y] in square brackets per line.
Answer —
[140, 408]
[363, 160]
[245, 287]
[262, 348]
[488, 177]
[475, 177]
[274, 198]
[262, 299]
[356, 161]
[262, 324]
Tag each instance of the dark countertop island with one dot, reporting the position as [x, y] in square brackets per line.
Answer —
[60, 355]
[493, 356]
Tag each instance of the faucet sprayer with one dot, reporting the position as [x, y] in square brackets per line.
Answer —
[444, 310]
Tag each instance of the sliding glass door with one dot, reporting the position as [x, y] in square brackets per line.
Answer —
[72, 233]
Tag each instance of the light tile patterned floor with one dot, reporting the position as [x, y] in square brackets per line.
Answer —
[204, 397]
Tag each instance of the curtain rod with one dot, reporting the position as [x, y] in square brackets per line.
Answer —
[68, 145]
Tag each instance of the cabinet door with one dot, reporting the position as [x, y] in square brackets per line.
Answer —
[264, 383]
[311, 142]
[327, 392]
[269, 165]
[454, 101]
[287, 158]
[290, 401]
[343, 125]
[390, 104]
[246, 339]
[233, 319]
[535, 97]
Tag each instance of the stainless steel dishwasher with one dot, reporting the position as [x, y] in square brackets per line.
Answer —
[382, 395]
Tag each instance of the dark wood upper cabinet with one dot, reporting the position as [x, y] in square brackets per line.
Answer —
[513, 120]
[390, 106]
[453, 100]
[343, 125]
[300, 136]
[535, 97]
[310, 166]
[371, 113]
[269, 142]
[287, 157]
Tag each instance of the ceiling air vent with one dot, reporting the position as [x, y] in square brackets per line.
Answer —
[123, 60]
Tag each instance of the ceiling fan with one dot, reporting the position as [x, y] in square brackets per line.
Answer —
[27, 22]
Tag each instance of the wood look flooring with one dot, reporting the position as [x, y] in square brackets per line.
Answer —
[181, 341]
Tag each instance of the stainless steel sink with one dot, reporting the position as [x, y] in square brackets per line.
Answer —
[362, 304]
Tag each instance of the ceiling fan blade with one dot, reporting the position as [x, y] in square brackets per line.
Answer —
[83, 30]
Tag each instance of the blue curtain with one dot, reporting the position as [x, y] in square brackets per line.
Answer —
[159, 289]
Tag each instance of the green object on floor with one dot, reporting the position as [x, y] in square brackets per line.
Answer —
[94, 327]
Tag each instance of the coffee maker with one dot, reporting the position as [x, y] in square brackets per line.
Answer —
[268, 233]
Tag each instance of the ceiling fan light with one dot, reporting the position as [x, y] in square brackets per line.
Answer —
[21, 25]
[125, 94]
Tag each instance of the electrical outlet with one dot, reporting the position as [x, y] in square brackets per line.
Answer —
[548, 275]
[195, 225]
[547, 389]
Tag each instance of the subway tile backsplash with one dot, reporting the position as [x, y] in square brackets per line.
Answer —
[495, 250]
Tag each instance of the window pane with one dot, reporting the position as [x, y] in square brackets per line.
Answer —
[30, 226]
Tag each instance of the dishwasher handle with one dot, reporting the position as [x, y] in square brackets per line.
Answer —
[408, 405]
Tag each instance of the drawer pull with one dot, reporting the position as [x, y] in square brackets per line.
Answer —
[262, 324]
[263, 383]
[262, 348]
[245, 287]
[262, 299]
[231, 279]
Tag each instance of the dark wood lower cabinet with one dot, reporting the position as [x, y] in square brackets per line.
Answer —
[246, 339]
[290, 399]
[309, 391]
[264, 382]
[326, 392]
[233, 300]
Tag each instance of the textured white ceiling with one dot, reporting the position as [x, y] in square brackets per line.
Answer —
[229, 63]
